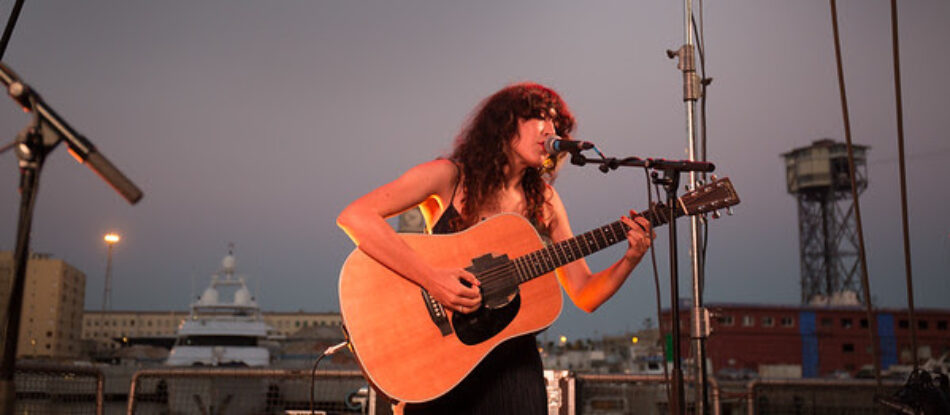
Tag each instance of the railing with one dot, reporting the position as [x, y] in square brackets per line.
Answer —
[241, 391]
[817, 396]
[63, 389]
[637, 394]
[58, 389]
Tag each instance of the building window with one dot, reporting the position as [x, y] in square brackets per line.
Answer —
[788, 322]
[864, 323]
[904, 324]
[922, 324]
[748, 321]
[942, 325]
[826, 322]
[847, 347]
[768, 322]
[846, 323]
[726, 320]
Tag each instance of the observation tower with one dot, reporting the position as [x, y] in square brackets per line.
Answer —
[818, 177]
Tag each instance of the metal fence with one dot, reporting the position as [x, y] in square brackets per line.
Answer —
[244, 391]
[58, 389]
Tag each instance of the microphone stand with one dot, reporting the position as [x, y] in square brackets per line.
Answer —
[670, 181]
[32, 146]
[691, 93]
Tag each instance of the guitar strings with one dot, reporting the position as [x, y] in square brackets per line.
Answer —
[550, 255]
[497, 278]
[500, 277]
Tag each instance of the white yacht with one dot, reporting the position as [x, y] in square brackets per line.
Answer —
[223, 331]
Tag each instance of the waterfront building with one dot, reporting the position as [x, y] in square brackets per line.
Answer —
[289, 323]
[101, 329]
[53, 297]
[813, 340]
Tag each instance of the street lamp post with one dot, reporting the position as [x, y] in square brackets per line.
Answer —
[111, 239]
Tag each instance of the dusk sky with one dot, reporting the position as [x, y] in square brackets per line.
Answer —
[256, 122]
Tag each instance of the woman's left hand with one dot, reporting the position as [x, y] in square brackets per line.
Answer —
[639, 237]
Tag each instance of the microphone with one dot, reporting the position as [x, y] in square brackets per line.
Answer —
[80, 147]
[554, 145]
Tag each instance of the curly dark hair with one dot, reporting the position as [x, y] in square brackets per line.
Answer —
[481, 149]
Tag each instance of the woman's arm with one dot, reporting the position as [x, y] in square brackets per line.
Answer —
[586, 289]
[364, 220]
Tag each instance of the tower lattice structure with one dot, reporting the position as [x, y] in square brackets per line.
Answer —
[818, 177]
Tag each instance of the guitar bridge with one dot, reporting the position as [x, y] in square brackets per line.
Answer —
[437, 313]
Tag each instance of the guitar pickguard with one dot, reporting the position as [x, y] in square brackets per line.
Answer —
[500, 300]
[483, 324]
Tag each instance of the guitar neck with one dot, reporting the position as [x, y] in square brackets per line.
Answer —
[545, 260]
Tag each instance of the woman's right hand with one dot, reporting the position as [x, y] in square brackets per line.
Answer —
[456, 289]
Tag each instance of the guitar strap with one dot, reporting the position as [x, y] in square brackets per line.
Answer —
[449, 213]
[458, 180]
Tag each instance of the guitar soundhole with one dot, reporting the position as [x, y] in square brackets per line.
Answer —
[483, 324]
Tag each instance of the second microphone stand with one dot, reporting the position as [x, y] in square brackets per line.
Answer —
[670, 181]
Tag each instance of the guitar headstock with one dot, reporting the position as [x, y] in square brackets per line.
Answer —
[715, 195]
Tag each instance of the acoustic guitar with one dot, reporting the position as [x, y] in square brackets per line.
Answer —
[414, 350]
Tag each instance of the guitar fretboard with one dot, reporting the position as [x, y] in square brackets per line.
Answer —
[545, 260]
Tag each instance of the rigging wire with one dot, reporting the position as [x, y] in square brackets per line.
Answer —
[866, 284]
[903, 179]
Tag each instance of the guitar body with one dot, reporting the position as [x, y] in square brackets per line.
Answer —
[402, 349]
[413, 350]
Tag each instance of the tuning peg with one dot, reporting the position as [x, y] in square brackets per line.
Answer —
[713, 177]
[715, 214]
[729, 210]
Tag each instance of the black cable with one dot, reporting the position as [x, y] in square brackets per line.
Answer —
[313, 380]
[313, 373]
[6, 147]
[8, 30]
[704, 83]
[656, 285]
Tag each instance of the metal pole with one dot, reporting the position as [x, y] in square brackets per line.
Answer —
[32, 153]
[691, 94]
[107, 291]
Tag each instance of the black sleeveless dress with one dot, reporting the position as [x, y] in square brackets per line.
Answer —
[510, 380]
